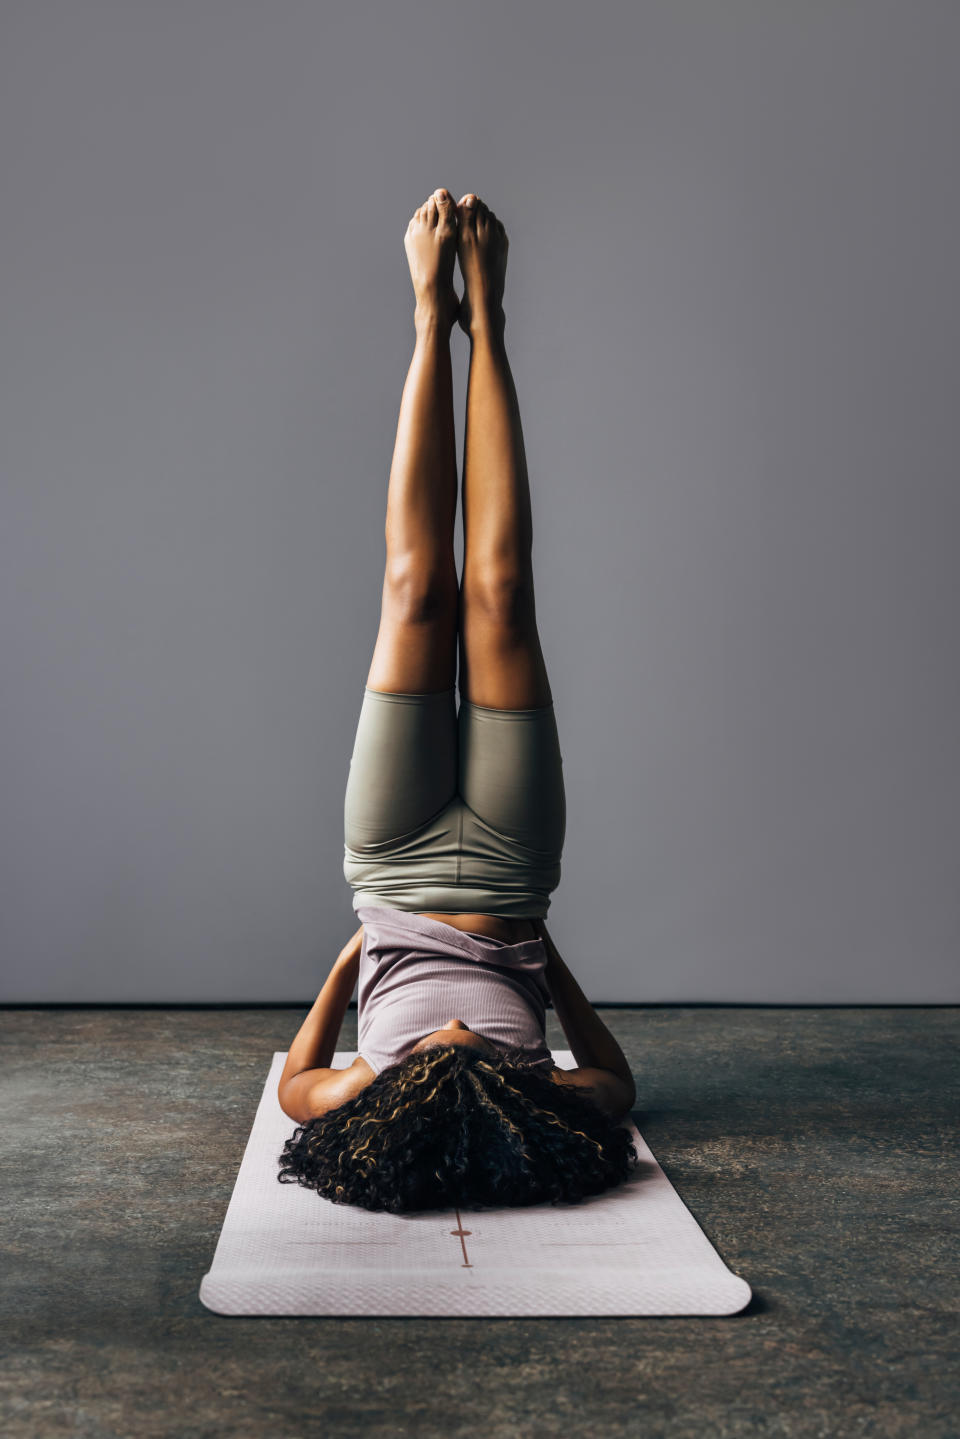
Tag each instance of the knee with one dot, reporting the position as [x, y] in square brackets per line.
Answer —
[503, 599]
[417, 591]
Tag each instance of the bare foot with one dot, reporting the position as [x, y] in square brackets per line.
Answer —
[482, 245]
[431, 246]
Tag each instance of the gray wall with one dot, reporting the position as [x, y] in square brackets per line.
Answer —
[733, 316]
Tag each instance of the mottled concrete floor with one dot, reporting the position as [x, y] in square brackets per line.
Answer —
[817, 1148]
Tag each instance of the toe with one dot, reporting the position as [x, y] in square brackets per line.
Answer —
[446, 209]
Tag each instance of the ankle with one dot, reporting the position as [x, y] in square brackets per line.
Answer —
[434, 318]
[487, 323]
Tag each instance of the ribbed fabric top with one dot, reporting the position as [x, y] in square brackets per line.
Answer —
[416, 974]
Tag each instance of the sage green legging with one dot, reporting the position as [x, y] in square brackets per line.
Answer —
[453, 811]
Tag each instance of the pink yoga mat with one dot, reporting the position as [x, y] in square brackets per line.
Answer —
[633, 1250]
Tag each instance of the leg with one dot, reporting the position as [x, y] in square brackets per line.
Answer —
[403, 768]
[416, 647]
[501, 662]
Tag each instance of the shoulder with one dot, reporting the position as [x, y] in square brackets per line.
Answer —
[610, 1092]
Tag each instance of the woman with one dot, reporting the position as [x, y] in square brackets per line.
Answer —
[454, 822]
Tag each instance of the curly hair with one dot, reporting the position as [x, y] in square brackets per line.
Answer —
[449, 1126]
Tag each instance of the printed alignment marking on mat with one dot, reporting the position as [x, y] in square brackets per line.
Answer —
[369, 1243]
[463, 1234]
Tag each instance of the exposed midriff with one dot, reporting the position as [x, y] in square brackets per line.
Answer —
[493, 926]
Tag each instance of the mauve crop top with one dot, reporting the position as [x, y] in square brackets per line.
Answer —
[416, 974]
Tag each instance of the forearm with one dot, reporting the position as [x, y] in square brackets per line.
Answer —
[593, 1046]
[316, 1040]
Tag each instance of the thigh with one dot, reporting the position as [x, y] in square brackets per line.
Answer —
[403, 769]
[511, 772]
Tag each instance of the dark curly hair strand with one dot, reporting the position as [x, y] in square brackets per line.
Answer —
[451, 1126]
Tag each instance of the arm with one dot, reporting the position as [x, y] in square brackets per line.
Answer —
[594, 1047]
[315, 1044]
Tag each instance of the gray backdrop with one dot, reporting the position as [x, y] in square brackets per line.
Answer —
[733, 318]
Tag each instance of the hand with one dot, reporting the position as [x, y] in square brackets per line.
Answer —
[540, 926]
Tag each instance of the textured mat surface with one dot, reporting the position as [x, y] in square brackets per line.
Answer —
[633, 1250]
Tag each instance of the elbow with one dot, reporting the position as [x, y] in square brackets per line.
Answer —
[615, 1094]
[285, 1103]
